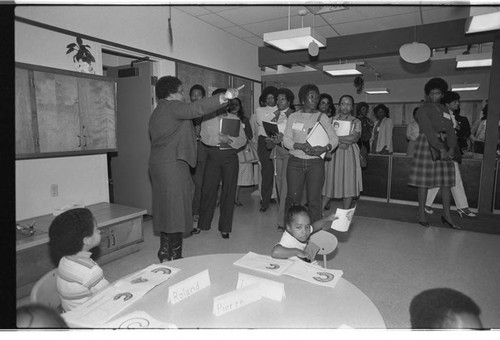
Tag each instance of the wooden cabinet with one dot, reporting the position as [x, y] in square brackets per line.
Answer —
[63, 112]
[120, 235]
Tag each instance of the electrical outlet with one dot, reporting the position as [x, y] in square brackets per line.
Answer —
[54, 190]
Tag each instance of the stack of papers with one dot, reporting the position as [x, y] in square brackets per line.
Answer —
[298, 269]
[342, 127]
[344, 219]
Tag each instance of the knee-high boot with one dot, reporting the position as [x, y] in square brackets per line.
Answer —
[176, 246]
[165, 251]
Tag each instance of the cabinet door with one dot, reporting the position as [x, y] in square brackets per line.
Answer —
[97, 113]
[126, 233]
[25, 131]
[57, 112]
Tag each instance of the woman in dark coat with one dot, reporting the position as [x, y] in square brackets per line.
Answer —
[434, 124]
[173, 151]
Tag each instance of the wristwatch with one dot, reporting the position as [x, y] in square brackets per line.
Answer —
[329, 147]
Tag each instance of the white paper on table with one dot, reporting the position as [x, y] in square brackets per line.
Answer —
[263, 263]
[314, 274]
[236, 299]
[270, 289]
[344, 219]
[344, 326]
[113, 299]
[138, 319]
[318, 137]
[188, 287]
[342, 127]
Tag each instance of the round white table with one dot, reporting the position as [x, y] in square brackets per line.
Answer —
[305, 306]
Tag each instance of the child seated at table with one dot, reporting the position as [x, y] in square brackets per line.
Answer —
[298, 231]
[444, 308]
[72, 235]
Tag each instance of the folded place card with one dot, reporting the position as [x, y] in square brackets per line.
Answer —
[138, 319]
[263, 263]
[236, 299]
[113, 299]
[267, 288]
[314, 274]
[188, 287]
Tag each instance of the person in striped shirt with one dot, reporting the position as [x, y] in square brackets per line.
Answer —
[72, 235]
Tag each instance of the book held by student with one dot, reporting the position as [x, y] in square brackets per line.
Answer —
[342, 127]
[318, 137]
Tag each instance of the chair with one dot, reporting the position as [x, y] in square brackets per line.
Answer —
[45, 291]
[327, 243]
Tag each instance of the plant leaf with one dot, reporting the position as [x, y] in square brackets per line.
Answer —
[79, 41]
[71, 45]
[70, 50]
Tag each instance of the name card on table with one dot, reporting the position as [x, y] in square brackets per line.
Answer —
[267, 288]
[263, 263]
[188, 287]
[236, 299]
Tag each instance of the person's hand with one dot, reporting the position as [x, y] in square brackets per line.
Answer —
[233, 93]
[319, 150]
[269, 143]
[303, 255]
[279, 138]
[445, 155]
[223, 138]
[328, 221]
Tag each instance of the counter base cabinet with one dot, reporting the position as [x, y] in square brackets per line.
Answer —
[121, 233]
[60, 112]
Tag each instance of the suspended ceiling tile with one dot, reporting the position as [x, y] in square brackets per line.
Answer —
[216, 20]
[326, 31]
[296, 21]
[441, 13]
[255, 14]
[256, 41]
[239, 32]
[193, 10]
[378, 24]
[268, 26]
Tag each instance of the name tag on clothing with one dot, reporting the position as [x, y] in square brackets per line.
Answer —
[298, 126]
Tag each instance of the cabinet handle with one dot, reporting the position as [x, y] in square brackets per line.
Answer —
[84, 141]
[37, 142]
[114, 241]
[109, 243]
[79, 141]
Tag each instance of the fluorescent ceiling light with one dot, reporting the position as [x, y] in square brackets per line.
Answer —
[380, 90]
[465, 87]
[341, 69]
[483, 22]
[474, 60]
[294, 39]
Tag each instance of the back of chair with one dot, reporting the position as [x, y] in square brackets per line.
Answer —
[327, 243]
[45, 291]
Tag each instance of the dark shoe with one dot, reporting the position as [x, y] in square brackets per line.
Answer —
[195, 231]
[424, 224]
[449, 224]
[327, 206]
[262, 209]
[164, 253]
[176, 246]
[225, 235]
[466, 212]
[273, 201]
[428, 210]
[238, 203]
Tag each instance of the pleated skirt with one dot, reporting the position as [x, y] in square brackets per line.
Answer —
[428, 173]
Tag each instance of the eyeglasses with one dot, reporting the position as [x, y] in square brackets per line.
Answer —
[312, 96]
[323, 102]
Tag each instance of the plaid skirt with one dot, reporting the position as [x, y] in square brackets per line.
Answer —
[428, 173]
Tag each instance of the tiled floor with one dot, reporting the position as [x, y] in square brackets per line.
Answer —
[389, 261]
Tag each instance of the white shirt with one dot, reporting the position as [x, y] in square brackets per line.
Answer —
[288, 241]
[264, 114]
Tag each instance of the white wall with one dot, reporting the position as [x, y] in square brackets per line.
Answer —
[140, 27]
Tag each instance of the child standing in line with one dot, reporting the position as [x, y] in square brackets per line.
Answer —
[298, 231]
[72, 235]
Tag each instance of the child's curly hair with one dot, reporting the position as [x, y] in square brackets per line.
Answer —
[67, 231]
[295, 209]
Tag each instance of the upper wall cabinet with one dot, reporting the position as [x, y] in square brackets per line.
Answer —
[62, 113]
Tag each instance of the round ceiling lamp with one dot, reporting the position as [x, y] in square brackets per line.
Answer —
[313, 49]
[415, 53]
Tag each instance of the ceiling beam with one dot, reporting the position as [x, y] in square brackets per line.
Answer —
[378, 44]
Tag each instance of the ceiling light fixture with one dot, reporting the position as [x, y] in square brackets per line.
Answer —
[415, 52]
[474, 60]
[295, 39]
[379, 90]
[465, 87]
[342, 69]
[483, 22]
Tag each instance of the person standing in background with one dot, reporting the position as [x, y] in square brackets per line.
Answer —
[265, 114]
[381, 140]
[245, 173]
[412, 133]
[195, 93]
[222, 166]
[173, 151]
[366, 125]
[462, 129]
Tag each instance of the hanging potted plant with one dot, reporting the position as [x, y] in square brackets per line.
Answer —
[83, 59]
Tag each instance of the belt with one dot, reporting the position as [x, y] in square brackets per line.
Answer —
[210, 146]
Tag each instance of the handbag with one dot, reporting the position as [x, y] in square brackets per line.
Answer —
[248, 154]
[436, 153]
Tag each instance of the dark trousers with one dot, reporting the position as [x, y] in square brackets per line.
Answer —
[267, 172]
[221, 165]
[366, 143]
[308, 172]
[197, 175]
